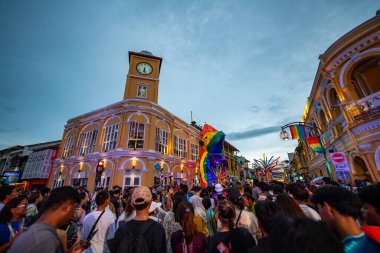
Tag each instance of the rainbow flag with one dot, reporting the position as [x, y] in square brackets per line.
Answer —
[297, 132]
[314, 144]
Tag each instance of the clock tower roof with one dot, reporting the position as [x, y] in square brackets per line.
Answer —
[145, 54]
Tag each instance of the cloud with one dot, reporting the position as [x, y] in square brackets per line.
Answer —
[254, 108]
[3, 130]
[253, 133]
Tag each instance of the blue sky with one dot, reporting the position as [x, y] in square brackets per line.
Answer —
[245, 67]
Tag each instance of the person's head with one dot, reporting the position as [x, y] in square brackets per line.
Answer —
[61, 204]
[155, 197]
[334, 202]
[7, 193]
[197, 190]
[15, 208]
[370, 197]
[34, 198]
[184, 188]
[226, 213]
[299, 192]
[116, 193]
[233, 195]
[248, 199]
[83, 198]
[178, 198]
[185, 214]
[277, 189]
[116, 187]
[247, 189]
[266, 211]
[206, 203]
[141, 199]
[129, 208]
[264, 187]
[289, 206]
[303, 235]
[204, 193]
[102, 199]
[45, 191]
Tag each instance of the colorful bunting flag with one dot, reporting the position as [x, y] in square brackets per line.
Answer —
[297, 132]
[314, 144]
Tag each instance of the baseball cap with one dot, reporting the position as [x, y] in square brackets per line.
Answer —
[153, 206]
[141, 195]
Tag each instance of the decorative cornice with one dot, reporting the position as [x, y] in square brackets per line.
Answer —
[367, 126]
[352, 51]
[365, 146]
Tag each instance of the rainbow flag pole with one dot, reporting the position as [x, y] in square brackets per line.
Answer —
[298, 131]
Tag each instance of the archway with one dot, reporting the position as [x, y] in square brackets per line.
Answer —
[360, 168]
[365, 77]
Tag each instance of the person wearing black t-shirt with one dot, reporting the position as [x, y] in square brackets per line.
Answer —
[115, 200]
[152, 231]
[229, 239]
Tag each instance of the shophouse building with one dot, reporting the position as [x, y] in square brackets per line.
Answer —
[345, 104]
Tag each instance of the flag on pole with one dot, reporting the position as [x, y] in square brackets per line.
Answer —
[314, 144]
[297, 132]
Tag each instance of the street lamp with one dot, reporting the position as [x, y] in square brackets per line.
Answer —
[284, 135]
[316, 132]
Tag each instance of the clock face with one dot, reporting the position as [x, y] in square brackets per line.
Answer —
[144, 68]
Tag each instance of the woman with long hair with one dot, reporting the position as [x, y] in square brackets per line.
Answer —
[188, 239]
[230, 238]
[170, 224]
[289, 206]
[243, 218]
[12, 221]
[128, 214]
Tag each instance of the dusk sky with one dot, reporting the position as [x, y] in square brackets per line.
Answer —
[245, 67]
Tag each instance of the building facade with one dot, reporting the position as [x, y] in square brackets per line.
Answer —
[345, 104]
[28, 166]
[139, 142]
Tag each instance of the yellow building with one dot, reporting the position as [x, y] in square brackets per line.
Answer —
[140, 142]
[345, 102]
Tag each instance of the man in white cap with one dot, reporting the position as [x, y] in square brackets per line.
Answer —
[153, 211]
[141, 232]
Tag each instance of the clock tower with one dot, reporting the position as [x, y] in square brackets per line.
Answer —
[143, 76]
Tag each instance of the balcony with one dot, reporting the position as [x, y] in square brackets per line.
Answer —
[366, 108]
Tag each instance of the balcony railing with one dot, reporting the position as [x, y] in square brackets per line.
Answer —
[365, 108]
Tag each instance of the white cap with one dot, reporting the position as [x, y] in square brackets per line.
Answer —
[218, 188]
[153, 206]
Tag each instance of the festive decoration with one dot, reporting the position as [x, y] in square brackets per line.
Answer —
[264, 166]
[213, 163]
[314, 144]
[297, 131]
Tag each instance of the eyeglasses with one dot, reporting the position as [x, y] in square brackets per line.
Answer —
[21, 206]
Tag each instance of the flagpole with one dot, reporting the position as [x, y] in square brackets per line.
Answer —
[319, 132]
[324, 154]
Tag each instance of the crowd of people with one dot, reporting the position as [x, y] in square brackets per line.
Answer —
[258, 217]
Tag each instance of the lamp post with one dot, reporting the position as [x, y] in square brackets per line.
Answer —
[284, 135]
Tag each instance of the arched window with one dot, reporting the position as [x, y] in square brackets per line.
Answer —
[366, 77]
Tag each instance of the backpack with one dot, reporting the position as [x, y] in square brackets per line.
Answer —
[134, 240]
